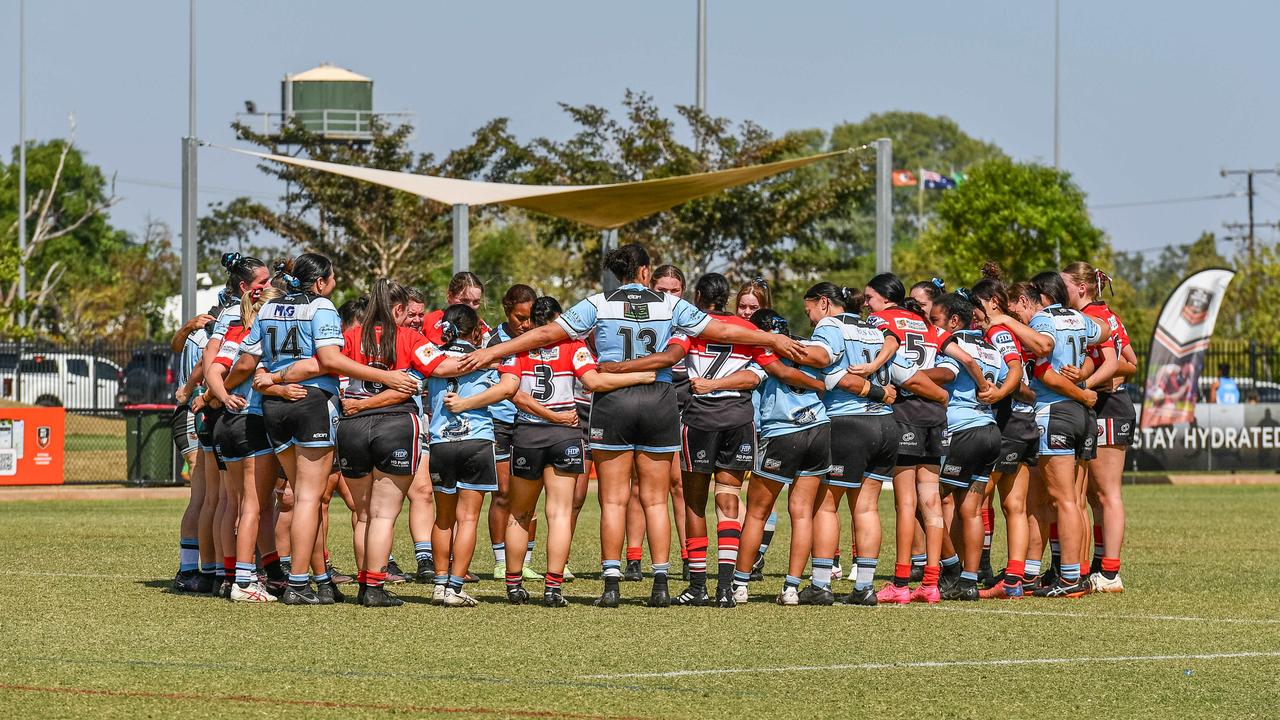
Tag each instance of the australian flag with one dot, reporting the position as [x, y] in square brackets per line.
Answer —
[937, 181]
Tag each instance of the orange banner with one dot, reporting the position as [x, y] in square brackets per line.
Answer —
[32, 445]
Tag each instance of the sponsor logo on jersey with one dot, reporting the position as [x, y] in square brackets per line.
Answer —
[805, 416]
[903, 323]
[772, 464]
[549, 353]
[282, 311]
[635, 310]
[908, 437]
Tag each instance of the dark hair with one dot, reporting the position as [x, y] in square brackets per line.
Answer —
[352, 310]
[625, 262]
[545, 310]
[416, 295]
[711, 292]
[933, 288]
[517, 295]
[1049, 283]
[459, 321]
[461, 281]
[889, 286]
[913, 306]
[240, 270]
[1224, 369]
[848, 299]
[300, 273]
[664, 271]
[954, 305]
[378, 331]
[990, 287]
[768, 320]
[1026, 290]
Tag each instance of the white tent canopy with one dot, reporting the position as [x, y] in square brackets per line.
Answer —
[600, 206]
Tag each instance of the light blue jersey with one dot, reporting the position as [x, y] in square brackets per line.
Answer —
[470, 425]
[964, 410]
[1072, 333]
[290, 329]
[192, 352]
[850, 340]
[784, 409]
[632, 322]
[504, 411]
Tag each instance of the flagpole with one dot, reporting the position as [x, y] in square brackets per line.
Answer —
[920, 199]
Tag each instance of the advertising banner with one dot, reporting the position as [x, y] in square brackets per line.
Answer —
[31, 445]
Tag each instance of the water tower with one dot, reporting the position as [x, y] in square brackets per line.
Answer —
[332, 102]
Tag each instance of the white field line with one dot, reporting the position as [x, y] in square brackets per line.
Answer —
[1106, 616]
[936, 664]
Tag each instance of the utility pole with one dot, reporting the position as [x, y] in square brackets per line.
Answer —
[884, 205]
[190, 198]
[1057, 63]
[1249, 173]
[700, 89]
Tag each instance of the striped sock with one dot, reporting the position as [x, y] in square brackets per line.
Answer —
[660, 569]
[611, 569]
[422, 551]
[866, 572]
[455, 583]
[209, 568]
[822, 572]
[553, 580]
[740, 579]
[528, 553]
[1055, 547]
[245, 574]
[988, 526]
[918, 560]
[1031, 569]
[1098, 548]
[271, 564]
[441, 580]
[286, 559]
[950, 562]
[229, 566]
[362, 577]
[188, 554]
[323, 578]
[728, 536]
[375, 579]
[1070, 572]
[499, 553]
[514, 579]
[697, 551]
[966, 576]
[770, 526]
[790, 581]
[1014, 571]
[298, 582]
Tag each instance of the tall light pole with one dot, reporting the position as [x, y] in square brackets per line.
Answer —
[700, 89]
[189, 196]
[1057, 72]
[22, 161]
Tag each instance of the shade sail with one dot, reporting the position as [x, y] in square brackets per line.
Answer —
[600, 206]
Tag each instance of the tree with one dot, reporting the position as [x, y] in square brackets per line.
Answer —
[1015, 214]
[70, 243]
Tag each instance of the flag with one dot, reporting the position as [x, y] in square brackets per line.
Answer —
[959, 177]
[903, 178]
[937, 181]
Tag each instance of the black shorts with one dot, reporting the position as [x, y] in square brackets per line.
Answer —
[206, 427]
[565, 455]
[389, 442]
[183, 427]
[584, 422]
[970, 456]
[640, 417]
[308, 422]
[806, 453]
[1065, 429]
[503, 434]
[919, 445]
[863, 446]
[240, 436]
[705, 451]
[463, 465]
[1019, 443]
[1116, 419]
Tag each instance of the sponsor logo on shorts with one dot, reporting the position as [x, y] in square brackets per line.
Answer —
[837, 471]
[597, 433]
[342, 462]
[1058, 440]
[744, 449]
[772, 464]
[320, 436]
[1011, 457]
[702, 454]
[522, 461]
[572, 451]
[1124, 427]
[908, 437]
[951, 469]
[400, 454]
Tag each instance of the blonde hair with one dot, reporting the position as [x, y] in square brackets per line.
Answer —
[249, 307]
[1093, 279]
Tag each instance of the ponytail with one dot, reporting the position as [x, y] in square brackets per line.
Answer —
[545, 310]
[459, 321]
[378, 327]
[240, 271]
[845, 298]
[711, 292]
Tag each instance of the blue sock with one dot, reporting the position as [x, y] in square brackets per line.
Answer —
[208, 568]
[322, 577]
[969, 576]
[442, 580]
[298, 581]
[866, 573]
[188, 554]
[611, 569]
[1033, 569]
[245, 574]
[1071, 573]
[740, 579]
[661, 568]
[455, 583]
[919, 560]
[950, 561]
[822, 572]
[500, 553]
[286, 559]
[422, 550]
[791, 581]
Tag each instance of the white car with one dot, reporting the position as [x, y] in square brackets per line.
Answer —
[81, 382]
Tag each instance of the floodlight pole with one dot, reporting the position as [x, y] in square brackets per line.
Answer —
[22, 162]
[461, 237]
[884, 205]
[608, 241]
[700, 91]
[189, 192]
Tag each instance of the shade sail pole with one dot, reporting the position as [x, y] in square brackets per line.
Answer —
[461, 237]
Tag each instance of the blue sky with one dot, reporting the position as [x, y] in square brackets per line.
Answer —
[1156, 96]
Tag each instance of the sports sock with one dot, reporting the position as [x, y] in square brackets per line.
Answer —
[553, 581]
[1110, 567]
[500, 553]
[1098, 549]
[770, 526]
[931, 573]
[988, 525]
[455, 583]
[696, 548]
[968, 577]
[287, 560]
[684, 552]
[362, 577]
[901, 574]
[229, 567]
[790, 581]
[528, 553]
[375, 579]
[635, 554]
[918, 560]
[661, 569]
[323, 578]
[188, 554]
[866, 573]
[1013, 572]
[245, 574]
[728, 534]
[297, 582]
[822, 572]
[949, 563]
[1031, 569]
[422, 551]
[271, 564]
[612, 572]
[1070, 572]
[741, 579]
[514, 580]
[441, 580]
[208, 568]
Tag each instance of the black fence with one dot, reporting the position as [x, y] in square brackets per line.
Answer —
[1254, 366]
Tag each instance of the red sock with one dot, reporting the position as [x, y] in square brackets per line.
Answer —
[270, 558]
[902, 570]
[1053, 531]
[696, 552]
[1015, 571]
[1111, 565]
[634, 553]
[988, 520]
[229, 565]
[375, 579]
[931, 575]
[684, 552]
[362, 577]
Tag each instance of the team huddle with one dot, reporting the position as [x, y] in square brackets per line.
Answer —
[1008, 394]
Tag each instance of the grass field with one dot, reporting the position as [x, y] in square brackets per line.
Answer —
[90, 631]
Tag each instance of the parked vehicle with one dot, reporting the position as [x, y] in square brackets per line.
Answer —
[149, 377]
[82, 382]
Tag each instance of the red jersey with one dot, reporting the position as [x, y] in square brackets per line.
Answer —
[919, 342]
[431, 328]
[1119, 335]
[722, 409]
[407, 343]
[1007, 344]
[547, 375]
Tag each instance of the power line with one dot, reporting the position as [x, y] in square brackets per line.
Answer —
[1166, 201]
[203, 188]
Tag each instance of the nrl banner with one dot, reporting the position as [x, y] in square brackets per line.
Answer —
[1178, 346]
